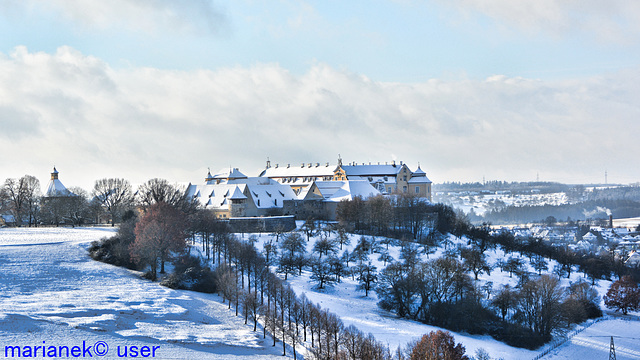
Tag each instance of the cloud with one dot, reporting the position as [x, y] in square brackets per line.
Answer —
[94, 121]
[614, 20]
[194, 16]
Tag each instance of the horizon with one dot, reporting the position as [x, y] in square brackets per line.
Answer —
[135, 185]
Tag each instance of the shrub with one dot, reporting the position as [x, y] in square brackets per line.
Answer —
[190, 274]
[113, 250]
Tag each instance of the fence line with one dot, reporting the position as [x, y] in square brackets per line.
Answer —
[558, 342]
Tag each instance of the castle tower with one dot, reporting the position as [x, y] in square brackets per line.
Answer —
[55, 187]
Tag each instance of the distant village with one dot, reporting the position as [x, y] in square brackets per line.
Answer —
[622, 242]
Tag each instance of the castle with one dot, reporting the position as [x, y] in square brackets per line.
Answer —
[308, 190]
[387, 178]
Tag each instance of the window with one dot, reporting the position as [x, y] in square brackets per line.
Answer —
[389, 189]
[404, 189]
[404, 178]
[417, 189]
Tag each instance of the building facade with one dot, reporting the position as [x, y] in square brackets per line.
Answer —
[388, 178]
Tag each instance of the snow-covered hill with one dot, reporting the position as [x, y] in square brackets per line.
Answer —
[363, 312]
[51, 291]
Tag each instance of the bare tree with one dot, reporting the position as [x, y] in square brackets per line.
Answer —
[343, 236]
[33, 195]
[250, 307]
[159, 233]
[115, 196]
[475, 261]
[368, 276]
[539, 305]
[160, 190]
[23, 196]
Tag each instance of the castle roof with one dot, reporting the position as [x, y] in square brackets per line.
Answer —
[309, 170]
[55, 188]
[372, 170]
[346, 190]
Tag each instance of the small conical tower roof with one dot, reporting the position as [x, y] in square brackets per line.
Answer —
[55, 187]
[209, 179]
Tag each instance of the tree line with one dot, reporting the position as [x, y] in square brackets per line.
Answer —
[402, 216]
[583, 210]
[109, 201]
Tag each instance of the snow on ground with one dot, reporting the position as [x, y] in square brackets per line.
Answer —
[52, 293]
[482, 203]
[354, 308]
[594, 342]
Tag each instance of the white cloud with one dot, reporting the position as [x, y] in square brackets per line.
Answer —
[612, 20]
[93, 121]
[193, 16]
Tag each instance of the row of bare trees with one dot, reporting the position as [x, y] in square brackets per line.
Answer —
[109, 200]
[246, 283]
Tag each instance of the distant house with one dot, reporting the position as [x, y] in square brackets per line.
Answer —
[633, 260]
[590, 237]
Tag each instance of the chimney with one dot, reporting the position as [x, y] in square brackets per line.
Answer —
[610, 221]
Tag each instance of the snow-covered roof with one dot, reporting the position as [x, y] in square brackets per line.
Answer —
[303, 171]
[633, 259]
[225, 174]
[372, 170]
[419, 177]
[237, 194]
[263, 192]
[55, 188]
[346, 190]
[419, 180]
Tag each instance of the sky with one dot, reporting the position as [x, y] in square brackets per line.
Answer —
[509, 90]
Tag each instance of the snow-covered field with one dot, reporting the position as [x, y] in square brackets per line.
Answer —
[594, 342]
[481, 203]
[53, 294]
